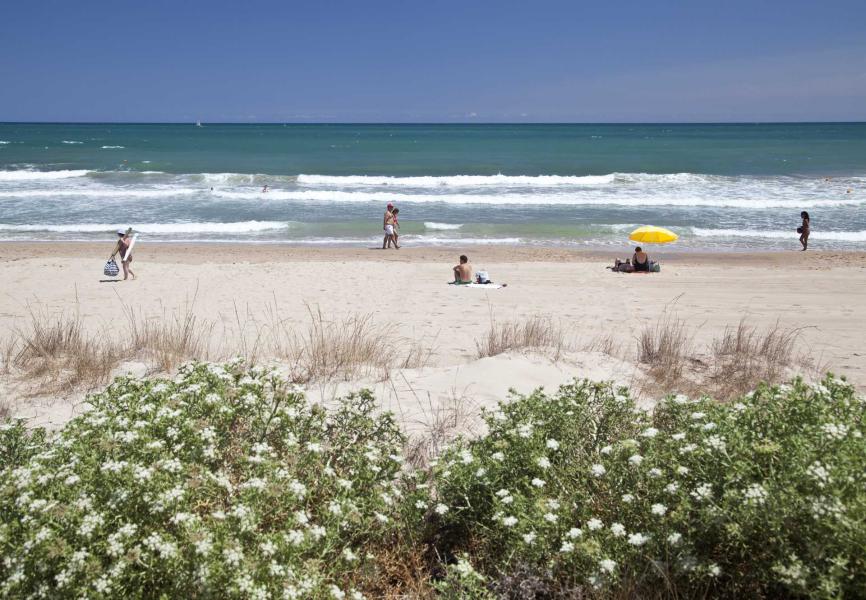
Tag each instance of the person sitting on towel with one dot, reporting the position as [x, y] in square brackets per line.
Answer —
[463, 271]
[640, 261]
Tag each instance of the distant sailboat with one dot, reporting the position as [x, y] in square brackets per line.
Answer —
[198, 124]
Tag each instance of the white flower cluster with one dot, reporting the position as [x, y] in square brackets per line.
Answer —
[139, 496]
[755, 494]
[835, 431]
[818, 472]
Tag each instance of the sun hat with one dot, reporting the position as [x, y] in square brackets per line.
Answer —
[121, 232]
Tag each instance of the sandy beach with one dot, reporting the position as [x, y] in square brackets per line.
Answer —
[274, 406]
[236, 290]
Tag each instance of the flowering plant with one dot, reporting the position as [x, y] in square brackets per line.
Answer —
[224, 482]
[583, 490]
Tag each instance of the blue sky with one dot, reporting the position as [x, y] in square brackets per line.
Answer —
[454, 61]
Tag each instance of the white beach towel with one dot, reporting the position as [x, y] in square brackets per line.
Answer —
[483, 286]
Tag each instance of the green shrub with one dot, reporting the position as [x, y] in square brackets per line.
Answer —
[18, 443]
[226, 483]
[582, 493]
[222, 483]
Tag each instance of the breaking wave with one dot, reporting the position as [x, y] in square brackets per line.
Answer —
[456, 180]
[836, 236]
[239, 227]
[27, 175]
[442, 226]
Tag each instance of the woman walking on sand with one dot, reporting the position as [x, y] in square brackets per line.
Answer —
[122, 247]
[804, 229]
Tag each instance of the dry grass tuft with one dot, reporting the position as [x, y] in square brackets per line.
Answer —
[9, 350]
[732, 365]
[665, 348]
[606, 344]
[418, 355]
[343, 349]
[169, 340]
[440, 424]
[536, 333]
[54, 354]
[338, 350]
[404, 570]
[745, 356]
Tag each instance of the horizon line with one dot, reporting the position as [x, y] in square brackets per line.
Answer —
[284, 123]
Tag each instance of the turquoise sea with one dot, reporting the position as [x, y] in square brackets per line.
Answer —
[720, 186]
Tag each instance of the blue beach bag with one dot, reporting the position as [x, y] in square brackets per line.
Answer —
[111, 269]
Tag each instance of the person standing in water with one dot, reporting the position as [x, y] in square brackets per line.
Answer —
[804, 230]
[388, 225]
[396, 228]
[122, 247]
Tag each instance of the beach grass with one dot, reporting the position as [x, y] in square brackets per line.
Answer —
[732, 364]
[538, 332]
[167, 341]
[442, 421]
[746, 355]
[54, 353]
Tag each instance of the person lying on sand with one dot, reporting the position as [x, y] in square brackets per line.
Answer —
[463, 271]
[622, 267]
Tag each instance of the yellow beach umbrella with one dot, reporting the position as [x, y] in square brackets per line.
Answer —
[649, 234]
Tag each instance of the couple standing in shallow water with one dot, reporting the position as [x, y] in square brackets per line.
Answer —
[391, 226]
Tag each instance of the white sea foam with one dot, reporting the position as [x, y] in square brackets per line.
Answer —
[836, 236]
[70, 142]
[227, 178]
[118, 193]
[552, 199]
[617, 227]
[112, 147]
[443, 226]
[455, 180]
[156, 228]
[437, 241]
[4, 142]
[27, 175]
[414, 239]
[255, 179]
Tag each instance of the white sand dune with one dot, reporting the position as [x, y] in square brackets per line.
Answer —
[405, 295]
